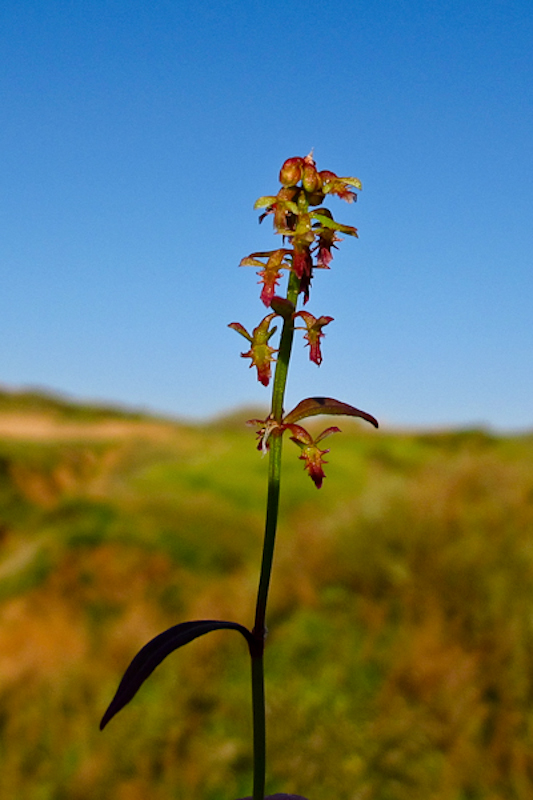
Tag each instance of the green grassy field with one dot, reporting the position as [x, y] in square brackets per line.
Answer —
[400, 653]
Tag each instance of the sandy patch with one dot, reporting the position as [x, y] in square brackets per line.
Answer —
[45, 427]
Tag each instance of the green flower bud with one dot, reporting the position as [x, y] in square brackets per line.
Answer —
[311, 180]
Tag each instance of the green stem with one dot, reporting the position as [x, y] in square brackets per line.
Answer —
[274, 475]
[284, 354]
[258, 703]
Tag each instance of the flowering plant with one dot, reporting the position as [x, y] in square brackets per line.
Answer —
[309, 234]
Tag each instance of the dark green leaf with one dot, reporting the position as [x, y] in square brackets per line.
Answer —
[153, 653]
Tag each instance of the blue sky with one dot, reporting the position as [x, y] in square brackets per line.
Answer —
[136, 136]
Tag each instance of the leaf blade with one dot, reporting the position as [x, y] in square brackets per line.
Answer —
[313, 406]
[265, 201]
[155, 651]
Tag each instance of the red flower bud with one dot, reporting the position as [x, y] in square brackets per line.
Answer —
[291, 171]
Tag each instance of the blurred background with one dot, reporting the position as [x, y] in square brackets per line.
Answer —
[400, 653]
[135, 139]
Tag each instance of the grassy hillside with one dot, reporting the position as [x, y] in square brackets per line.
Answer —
[400, 654]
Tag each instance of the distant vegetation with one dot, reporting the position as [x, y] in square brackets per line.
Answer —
[401, 618]
[37, 401]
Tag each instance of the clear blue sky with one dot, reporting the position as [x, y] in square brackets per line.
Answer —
[136, 136]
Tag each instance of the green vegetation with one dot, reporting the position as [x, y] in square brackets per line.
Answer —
[400, 659]
[37, 400]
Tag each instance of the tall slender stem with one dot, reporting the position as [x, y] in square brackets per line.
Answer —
[274, 475]
[259, 726]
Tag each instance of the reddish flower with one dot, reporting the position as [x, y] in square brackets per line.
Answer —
[302, 265]
[314, 333]
[283, 206]
[326, 237]
[311, 453]
[332, 184]
[270, 272]
[260, 351]
[326, 229]
[267, 426]
[326, 241]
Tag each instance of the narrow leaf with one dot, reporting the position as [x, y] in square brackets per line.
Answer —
[326, 433]
[290, 206]
[240, 329]
[153, 653]
[349, 230]
[352, 182]
[312, 406]
[326, 222]
[263, 202]
[251, 262]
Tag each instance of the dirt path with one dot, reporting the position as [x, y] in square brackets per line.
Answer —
[43, 427]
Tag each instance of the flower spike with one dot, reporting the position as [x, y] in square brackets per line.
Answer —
[309, 234]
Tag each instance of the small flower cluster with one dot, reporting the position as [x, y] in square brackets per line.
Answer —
[311, 454]
[312, 233]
